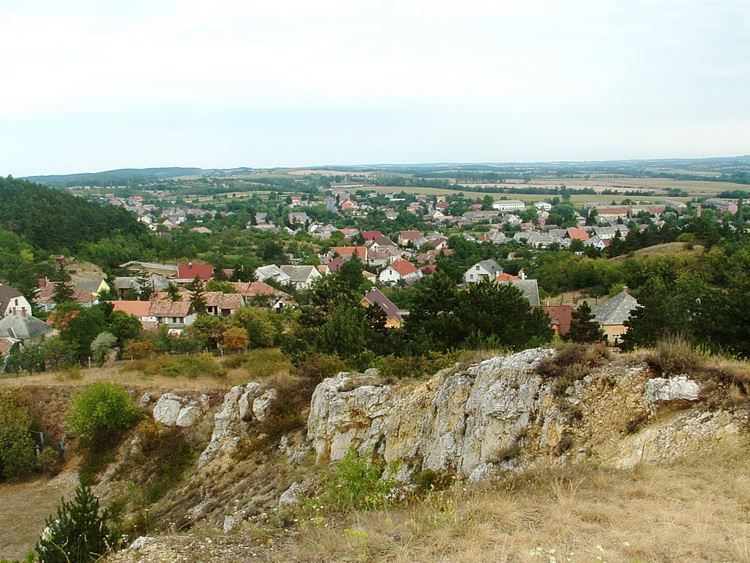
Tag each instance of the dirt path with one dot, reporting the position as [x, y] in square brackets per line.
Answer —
[25, 506]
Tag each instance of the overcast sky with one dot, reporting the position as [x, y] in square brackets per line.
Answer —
[88, 85]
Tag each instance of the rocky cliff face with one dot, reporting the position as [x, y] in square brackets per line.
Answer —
[473, 420]
[501, 414]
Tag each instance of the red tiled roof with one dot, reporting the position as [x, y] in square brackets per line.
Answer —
[579, 234]
[137, 308]
[360, 251]
[191, 271]
[371, 235]
[403, 267]
[560, 315]
[506, 277]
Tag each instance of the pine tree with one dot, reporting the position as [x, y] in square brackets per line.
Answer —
[64, 293]
[78, 533]
[583, 327]
[197, 295]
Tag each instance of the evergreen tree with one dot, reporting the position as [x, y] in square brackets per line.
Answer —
[64, 293]
[583, 327]
[197, 295]
[173, 293]
[78, 533]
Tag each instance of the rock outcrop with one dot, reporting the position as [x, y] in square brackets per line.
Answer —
[464, 419]
[175, 410]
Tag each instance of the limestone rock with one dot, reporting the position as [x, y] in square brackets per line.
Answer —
[167, 408]
[262, 403]
[673, 391]
[461, 419]
[230, 423]
[175, 410]
[292, 495]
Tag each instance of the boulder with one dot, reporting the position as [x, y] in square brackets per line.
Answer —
[673, 392]
[175, 410]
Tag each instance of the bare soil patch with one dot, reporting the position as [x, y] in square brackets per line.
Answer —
[25, 507]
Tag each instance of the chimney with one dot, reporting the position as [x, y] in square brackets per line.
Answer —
[23, 311]
[14, 310]
[522, 274]
[625, 288]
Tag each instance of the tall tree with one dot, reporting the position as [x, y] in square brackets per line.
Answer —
[583, 326]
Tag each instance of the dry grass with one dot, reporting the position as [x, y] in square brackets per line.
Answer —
[696, 510]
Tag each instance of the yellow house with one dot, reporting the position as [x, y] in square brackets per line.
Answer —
[375, 296]
[613, 313]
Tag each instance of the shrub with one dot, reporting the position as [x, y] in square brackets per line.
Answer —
[100, 411]
[16, 446]
[78, 533]
[316, 367]
[50, 461]
[357, 483]
[138, 349]
[186, 366]
[673, 355]
[236, 338]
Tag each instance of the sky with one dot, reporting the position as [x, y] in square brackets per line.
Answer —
[89, 86]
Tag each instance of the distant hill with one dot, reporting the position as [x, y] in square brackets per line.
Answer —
[120, 177]
[57, 221]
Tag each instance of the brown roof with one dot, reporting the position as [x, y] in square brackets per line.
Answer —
[223, 300]
[47, 292]
[560, 315]
[251, 289]
[376, 296]
[167, 308]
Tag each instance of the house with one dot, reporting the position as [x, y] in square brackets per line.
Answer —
[45, 299]
[222, 304]
[383, 256]
[613, 313]
[348, 252]
[188, 272]
[484, 269]
[576, 234]
[11, 299]
[301, 277]
[259, 292]
[299, 217]
[371, 235]
[174, 314]
[94, 287]
[22, 326]
[271, 272]
[376, 297]
[529, 289]
[139, 309]
[560, 318]
[380, 243]
[123, 284]
[508, 205]
[409, 237]
[398, 271]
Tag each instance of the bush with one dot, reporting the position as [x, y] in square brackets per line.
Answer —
[101, 411]
[78, 533]
[138, 349]
[673, 355]
[316, 367]
[16, 446]
[357, 483]
[50, 461]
